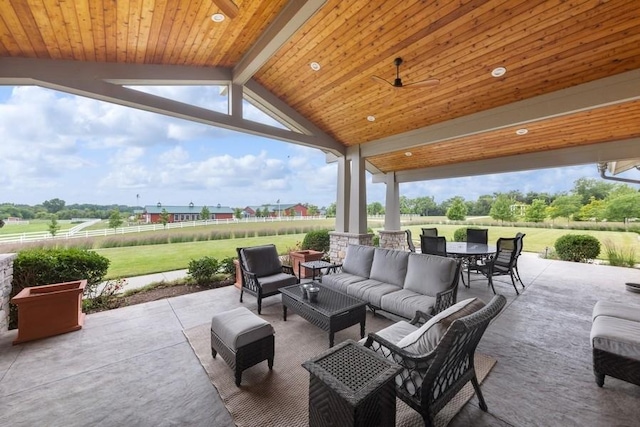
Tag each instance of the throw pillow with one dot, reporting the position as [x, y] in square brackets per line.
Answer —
[427, 337]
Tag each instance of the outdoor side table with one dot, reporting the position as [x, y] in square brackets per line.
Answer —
[351, 385]
[317, 266]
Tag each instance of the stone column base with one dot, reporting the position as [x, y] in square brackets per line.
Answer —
[6, 277]
[394, 240]
[339, 242]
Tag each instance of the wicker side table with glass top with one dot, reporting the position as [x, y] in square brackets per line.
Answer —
[350, 385]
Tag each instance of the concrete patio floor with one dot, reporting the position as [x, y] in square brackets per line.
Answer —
[134, 366]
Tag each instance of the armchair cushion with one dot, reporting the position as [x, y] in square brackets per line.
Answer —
[429, 274]
[358, 260]
[395, 332]
[262, 260]
[427, 337]
[276, 281]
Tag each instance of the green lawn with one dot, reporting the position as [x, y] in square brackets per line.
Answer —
[139, 260]
[34, 225]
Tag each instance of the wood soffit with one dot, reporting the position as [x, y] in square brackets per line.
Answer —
[545, 45]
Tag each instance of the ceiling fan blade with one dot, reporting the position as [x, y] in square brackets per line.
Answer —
[424, 83]
[380, 80]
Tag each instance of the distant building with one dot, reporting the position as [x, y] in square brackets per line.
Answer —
[276, 210]
[151, 213]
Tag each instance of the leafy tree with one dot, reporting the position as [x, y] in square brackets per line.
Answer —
[595, 209]
[501, 208]
[312, 210]
[620, 190]
[54, 226]
[536, 211]
[331, 210]
[565, 206]
[458, 210]
[164, 217]
[115, 219]
[265, 212]
[588, 188]
[405, 205]
[532, 195]
[237, 213]
[53, 205]
[623, 207]
[205, 213]
[375, 208]
[424, 205]
[482, 206]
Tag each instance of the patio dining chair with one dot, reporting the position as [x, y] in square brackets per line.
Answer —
[410, 245]
[437, 357]
[430, 232]
[433, 245]
[519, 245]
[502, 263]
[478, 235]
[263, 273]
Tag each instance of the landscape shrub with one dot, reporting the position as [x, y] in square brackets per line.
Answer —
[227, 266]
[104, 297]
[317, 240]
[203, 271]
[38, 267]
[577, 247]
[460, 235]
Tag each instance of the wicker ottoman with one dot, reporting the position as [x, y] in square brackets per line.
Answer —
[242, 339]
[615, 339]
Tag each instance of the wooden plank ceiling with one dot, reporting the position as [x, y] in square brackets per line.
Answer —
[545, 46]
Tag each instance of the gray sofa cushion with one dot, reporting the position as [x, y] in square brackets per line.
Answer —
[371, 290]
[340, 281]
[429, 274]
[389, 266]
[405, 303]
[262, 260]
[276, 281]
[617, 336]
[358, 260]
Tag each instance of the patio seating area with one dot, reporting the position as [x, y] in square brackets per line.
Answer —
[134, 366]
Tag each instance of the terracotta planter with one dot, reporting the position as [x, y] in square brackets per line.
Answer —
[238, 283]
[303, 256]
[44, 311]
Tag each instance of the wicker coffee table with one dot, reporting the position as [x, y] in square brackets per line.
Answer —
[332, 312]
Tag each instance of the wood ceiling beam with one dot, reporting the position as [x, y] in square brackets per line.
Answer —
[612, 90]
[292, 17]
[98, 81]
[595, 153]
[227, 7]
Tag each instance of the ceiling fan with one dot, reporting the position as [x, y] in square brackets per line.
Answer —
[397, 83]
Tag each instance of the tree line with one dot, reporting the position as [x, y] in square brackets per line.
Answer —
[588, 200]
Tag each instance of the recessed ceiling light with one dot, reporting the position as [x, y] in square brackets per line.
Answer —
[315, 66]
[522, 131]
[499, 72]
[217, 17]
[371, 118]
[408, 154]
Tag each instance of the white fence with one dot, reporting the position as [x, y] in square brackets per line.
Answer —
[75, 232]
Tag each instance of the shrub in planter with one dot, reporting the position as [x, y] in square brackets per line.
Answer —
[577, 247]
[203, 270]
[38, 267]
[318, 240]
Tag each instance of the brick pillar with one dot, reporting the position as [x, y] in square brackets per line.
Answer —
[339, 242]
[6, 276]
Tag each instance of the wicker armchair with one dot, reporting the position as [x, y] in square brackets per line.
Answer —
[429, 381]
[262, 272]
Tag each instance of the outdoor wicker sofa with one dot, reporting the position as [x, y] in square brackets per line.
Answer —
[395, 281]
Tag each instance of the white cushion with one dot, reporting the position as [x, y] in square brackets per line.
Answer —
[427, 337]
[239, 327]
[615, 309]
[617, 336]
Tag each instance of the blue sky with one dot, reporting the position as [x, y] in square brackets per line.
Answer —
[85, 151]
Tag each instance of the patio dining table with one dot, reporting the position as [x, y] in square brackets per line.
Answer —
[469, 252]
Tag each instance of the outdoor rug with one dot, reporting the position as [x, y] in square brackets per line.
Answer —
[280, 397]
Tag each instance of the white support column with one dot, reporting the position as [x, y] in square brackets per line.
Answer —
[392, 204]
[342, 201]
[235, 101]
[358, 196]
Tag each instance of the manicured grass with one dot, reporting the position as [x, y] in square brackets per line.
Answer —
[139, 260]
[34, 225]
[538, 239]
